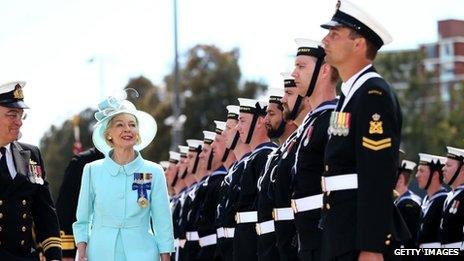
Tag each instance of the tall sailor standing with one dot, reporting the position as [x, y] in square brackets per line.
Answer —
[452, 223]
[362, 153]
[316, 82]
[429, 177]
[252, 129]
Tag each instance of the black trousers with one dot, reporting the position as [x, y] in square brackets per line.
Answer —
[287, 240]
[224, 248]
[245, 242]
[267, 248]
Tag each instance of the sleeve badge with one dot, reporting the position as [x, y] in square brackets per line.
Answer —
[375, 126]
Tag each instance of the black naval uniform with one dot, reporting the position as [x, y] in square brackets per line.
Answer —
[266, 245]
[25, 200]
[225, 219]
[197, 195]
[66, 204]
[281, 178]
[207, 215]
[185, 202]
[361, 169]
[245, 238]
[307, 172]
[452, 224]
[176, 206]
[409, 205]
[429, 228]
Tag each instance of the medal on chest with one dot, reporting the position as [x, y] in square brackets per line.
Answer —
[339, 123]
[35, 171]
[142, 183]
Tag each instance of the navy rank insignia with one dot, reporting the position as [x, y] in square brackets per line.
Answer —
[142, 183]
[375, 126]
[376, 144]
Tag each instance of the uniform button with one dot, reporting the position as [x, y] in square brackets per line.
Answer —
[387, 242]
[24, 202]
[327, 206]
[1, 202]
[23, 229]
[326, 167]
[1, 228]
[1, 215]
[24, 215]
[23, 242]
[389, 236]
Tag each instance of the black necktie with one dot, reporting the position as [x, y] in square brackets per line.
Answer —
[3, 166]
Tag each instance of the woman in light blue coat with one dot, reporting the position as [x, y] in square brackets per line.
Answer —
[121, 193]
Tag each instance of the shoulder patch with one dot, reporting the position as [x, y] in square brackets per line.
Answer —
[375, 92]
[376, 144]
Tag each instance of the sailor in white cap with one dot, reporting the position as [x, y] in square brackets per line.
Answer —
[452, 224]
[365, 134]
[172, 168]
[210, 198]
[252, 129]
[225, 221]
[430, 177]
[316, 82]
[220, 145]
[408, 203]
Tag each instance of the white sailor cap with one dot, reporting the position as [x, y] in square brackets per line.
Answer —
[427, 159]
[252, 106]
[455, 153]
[275, 95]
[289, 80]
[164, 164]
[183, 151]
[11, 95]
[209, 136]
[194, 145]
[220, 126]
[174, 157]
[349, 15]
[408, 165]
[233, 111]
[309, 47]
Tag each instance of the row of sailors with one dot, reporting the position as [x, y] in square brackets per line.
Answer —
[436, 221]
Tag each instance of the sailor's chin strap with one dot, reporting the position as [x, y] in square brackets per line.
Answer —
[257, 112]
[434, 167]
[456, 174]
[197, 159]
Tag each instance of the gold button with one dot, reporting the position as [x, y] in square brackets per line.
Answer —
[389, 236]
[23, 242]
[1, 215]
[1, 202]
[327, 206]
[24, 202]
[1, 228]
[387, 242]
[326, 167]
[24, 215]
[23, 229]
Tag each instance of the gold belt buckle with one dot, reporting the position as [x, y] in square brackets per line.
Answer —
[274, 214]
[258, 229]
[294, 207]
[323, 184]
[237, 217]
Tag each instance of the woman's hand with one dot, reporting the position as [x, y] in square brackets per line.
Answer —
[165, 257]
[81, 253]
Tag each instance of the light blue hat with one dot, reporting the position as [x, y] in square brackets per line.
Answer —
[111, 107]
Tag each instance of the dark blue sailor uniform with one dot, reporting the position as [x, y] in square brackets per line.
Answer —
[25, 200]
[429, 227]
[409, 205]
[245, 239]
[361, 168]
[452, 223]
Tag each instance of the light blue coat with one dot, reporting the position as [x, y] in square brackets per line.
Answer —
[108, 211]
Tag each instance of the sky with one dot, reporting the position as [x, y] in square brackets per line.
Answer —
[67, 50]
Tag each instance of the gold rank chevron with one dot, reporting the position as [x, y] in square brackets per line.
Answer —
[51, 242]
[376, 145]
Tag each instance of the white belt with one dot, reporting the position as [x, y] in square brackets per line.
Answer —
[307, 203]
[208, 240]
[279, 214]
[182, 243]
[265, 227]
[226, 232]
[192, 236]
[459, 245]
[430, 245]
[246, 217]
[339, 182]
